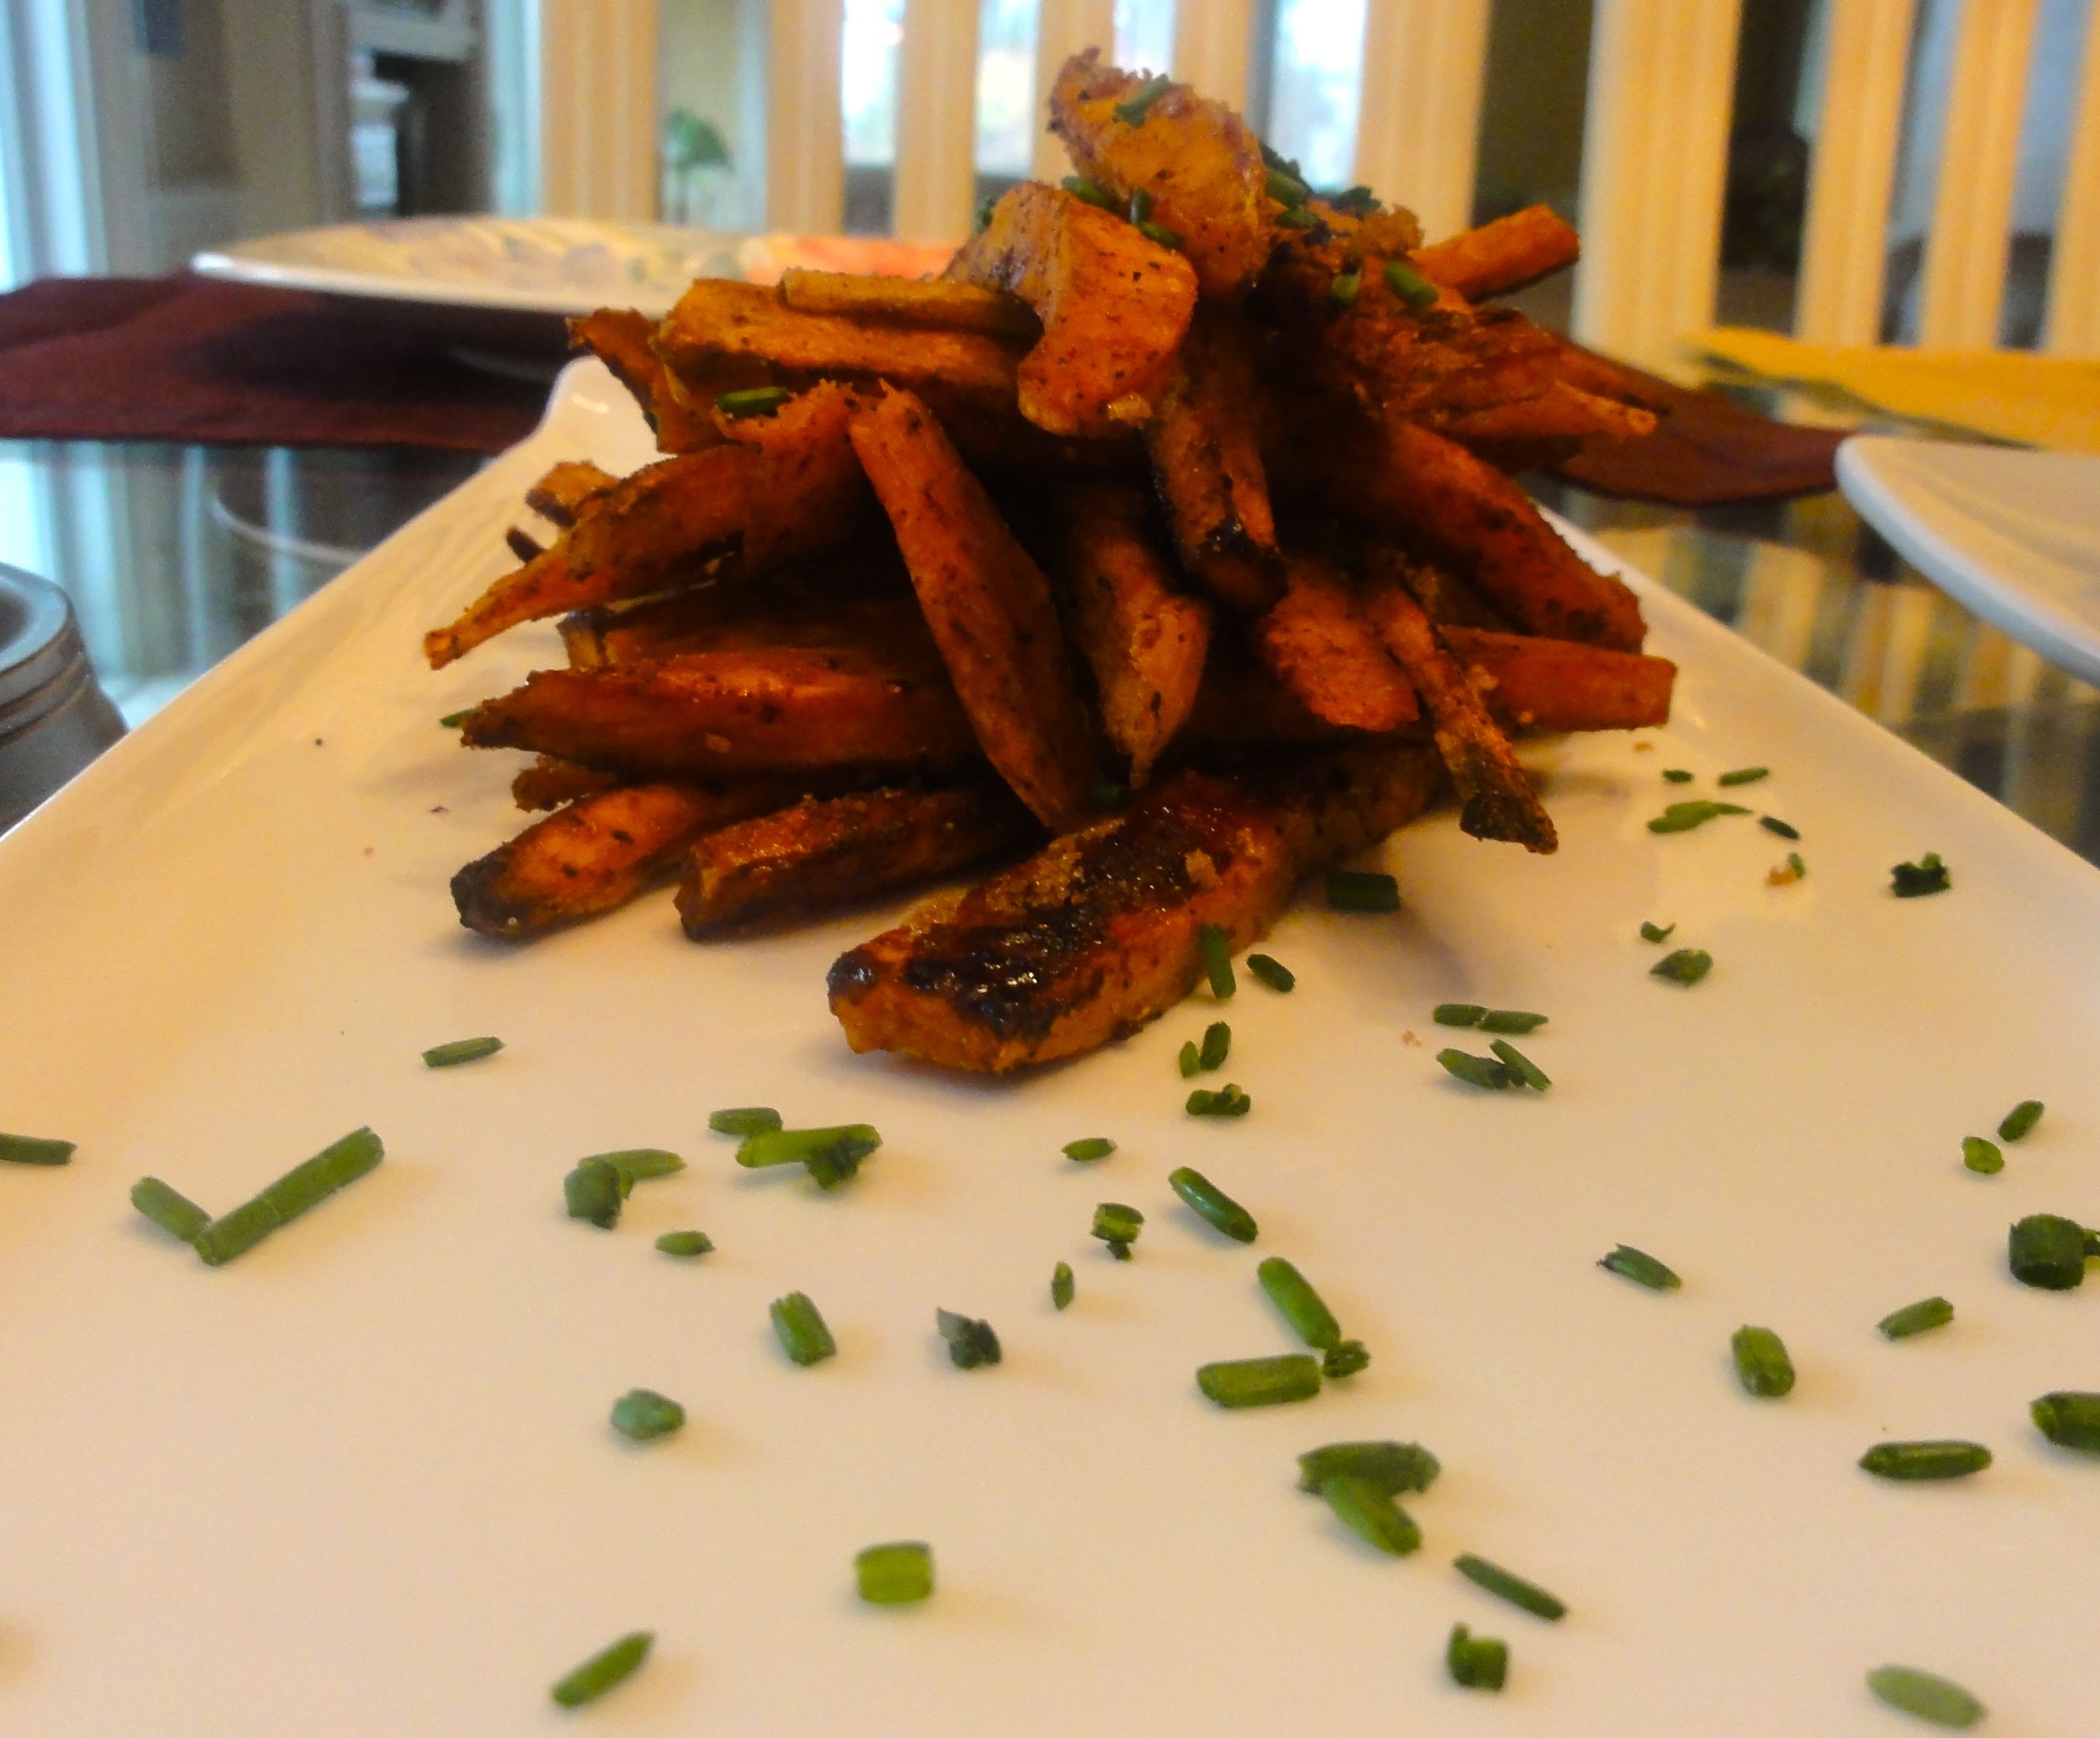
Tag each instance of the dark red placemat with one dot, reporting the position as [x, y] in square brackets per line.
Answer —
[188, 358]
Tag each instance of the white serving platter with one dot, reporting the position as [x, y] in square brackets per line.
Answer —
[361, 1481]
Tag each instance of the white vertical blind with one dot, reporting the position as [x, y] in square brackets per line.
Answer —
[2074, 275]
[805, 138]
[937, 109]
[1062, 29]
[598, 93]
[1418, 117]
[1213, 46]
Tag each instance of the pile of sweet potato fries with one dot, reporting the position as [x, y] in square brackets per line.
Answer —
[1173, 527]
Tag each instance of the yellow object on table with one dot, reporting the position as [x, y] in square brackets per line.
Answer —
[2010, 394]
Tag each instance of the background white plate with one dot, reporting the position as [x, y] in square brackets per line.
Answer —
[2013, 534]
[361, 1481]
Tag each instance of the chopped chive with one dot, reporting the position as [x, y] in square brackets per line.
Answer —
[171, 1212]
[592, 1191]
[896, 1574]
[1794, 862]
[1141, 205]
[686, 1243]
[1190, 1060]
[1745, 775]
[1657, 931]
[1133, 109]
[1526, 1071]
[1107, 795]
[1688, 965]
[461, 1050]
[1476, 1070]
[1940, 1701]
[1678, 774]
[1260, 1381]
[453, 720]
[1272, 973]
[1368, 1511]
[2048, 1250]
[981, 219]
[2069, 1419]
[601, 1671]
[1928, 875]
[1351, 1358]
[1217, 1045]
[1920, 1318]
[27, 1149]
[2020, 1120]
[1362, 890]
[1297, 217]
[1641, 1267]
[1061, 1285]
[1458, 1013]
[1762, 1364]
[1772, 823]
[305, 1186]
[744, 1120]
[1215, 948]
[1118, 1226]
[833, 1155]
[1228, 1100]
[1086, 1151]
[1681, 818]
[1213, 1204]
[1410, 285]
[801, 1330]
[1525, 1595]
[1358, 200]
[1300, 1304]
[1981, 1156]
[1342, 289]
[971, 1342]
[1390, 1466]
[643, 1415]
[1160, 234]
[1093, 191]
[752, 401]
[1271, 158]
[1476, 1662]
[639, 1164]
[1925, 1460]
[1510, 1020]
[1287, 190]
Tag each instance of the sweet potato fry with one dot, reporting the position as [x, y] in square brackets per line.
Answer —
[1316, 641]
[826, 851]
[1500, 257]
[988, 604]
[598, 853]
[1114, 306]
[1199, 161]
[750, 617]
[1560, 412]
[622, 340]
[550, 782]
[1495, 795]
[1145, 642]
[941, 306]
[1556, 684]
[560, 495]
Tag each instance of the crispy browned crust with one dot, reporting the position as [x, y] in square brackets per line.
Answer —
[550, 782]
[758, 617]
[1201, 163]
[988, 604]
[1096, 933]
[522, 543]
[561, 493]
[1502, 256]
[1316, 641]
[910, 302]
[598, 853]
[828, 851]
[1145, 642]
[1556, 684]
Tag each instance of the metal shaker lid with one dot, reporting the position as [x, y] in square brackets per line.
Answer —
[41, 658]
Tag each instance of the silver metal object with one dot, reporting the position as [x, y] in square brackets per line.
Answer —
[54, 716]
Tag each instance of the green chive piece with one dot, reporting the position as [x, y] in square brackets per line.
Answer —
[1928, 875]
[1368, 1511]
[1300, 1304]
[1762, 1364]
[1118, 1226]
[1141, 205]
[1087, 1151]
[1108, 795]
[1297, 217]
[1688, 965]
[1458, 1013]
[1260, 1381]
[1228, 1100]
[643, 1415]
[833, 1155]
[1061, 1285]
[898, 1574]
[1940, 1701]
[1641, 1267]
[971, 1342]
[1510, 1020]
[1093, 191]
[1657, 931]
[1342, 289]
[592, 1191]
[1745, 775]
[453, 720]
[1216, 948]
[1272, 973]
[1358, 200]
[1271, 158]
[1772, 823]
[803, 1334]
[744, 1120]
[302, 1188]
[1476, 1662]
[27, 1149]
[461, 1050]
[1925, 1460]
[1526, 1070]
[1681, 818]
[639, 1164]
[171, 1212]
[1362, 890]
[1525, 1595]
[1410, 285]
[601, 1671]
[1392, 1466]
[1190, 1060]
[1476, 1071]
[2069, 1419]
[981, 220]
[1287, 190]
[1213, 1204]
[1981, 1156]
[2020, 1120]
[2047, 1251]
[752, 401]
[1217, 1045]
[686, 1243]
[1160, 234]
[1794, 862]
[1351, 1358]
[1920, 1318]
[1678, 774]
[1133, 109]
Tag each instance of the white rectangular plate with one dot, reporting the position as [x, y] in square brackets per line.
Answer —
[361, 1481]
